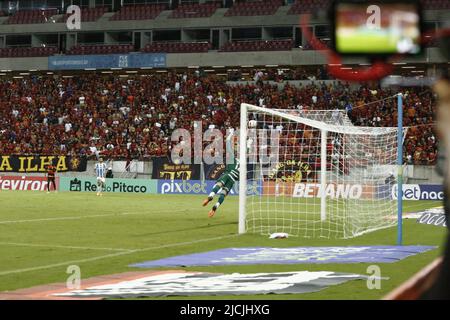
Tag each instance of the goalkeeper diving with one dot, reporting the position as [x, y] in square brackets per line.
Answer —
[226, 181]
[223, 186]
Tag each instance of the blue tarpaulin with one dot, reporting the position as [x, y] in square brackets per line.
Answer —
[295, 255]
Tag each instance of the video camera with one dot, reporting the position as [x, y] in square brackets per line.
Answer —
[377, 28]
[381, 29]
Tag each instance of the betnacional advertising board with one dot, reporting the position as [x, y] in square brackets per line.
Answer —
[419, 192]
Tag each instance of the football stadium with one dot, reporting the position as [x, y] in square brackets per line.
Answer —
[224, 150]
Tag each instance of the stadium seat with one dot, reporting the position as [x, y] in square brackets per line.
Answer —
[177, 47]
[31, 16]
[258, 45]
[28, 52]
[88, 15]
[308, 6]
[100, 49]
[195, 10]
[138, 12]
[254, 8]
[435, 4]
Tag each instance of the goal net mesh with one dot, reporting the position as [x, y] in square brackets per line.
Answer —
[348, 194]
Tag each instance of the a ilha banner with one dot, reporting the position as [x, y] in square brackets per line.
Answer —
[39, 163]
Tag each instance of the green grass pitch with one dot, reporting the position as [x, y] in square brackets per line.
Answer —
[42, 234]
[366, 42]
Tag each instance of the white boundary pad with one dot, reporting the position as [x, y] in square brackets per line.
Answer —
[196, 284]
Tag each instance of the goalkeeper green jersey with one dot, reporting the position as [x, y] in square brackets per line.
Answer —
[230, 175]
[232, 170]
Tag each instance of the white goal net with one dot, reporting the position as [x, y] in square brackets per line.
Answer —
[314, 174]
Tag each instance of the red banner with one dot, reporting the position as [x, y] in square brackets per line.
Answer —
[23, 183]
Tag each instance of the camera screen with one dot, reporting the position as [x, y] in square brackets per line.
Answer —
[377, 28]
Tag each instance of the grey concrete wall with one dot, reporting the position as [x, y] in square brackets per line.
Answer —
[423, 175]
[37, 63]
[294, 57]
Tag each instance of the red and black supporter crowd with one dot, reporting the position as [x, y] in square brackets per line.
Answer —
[133, 117]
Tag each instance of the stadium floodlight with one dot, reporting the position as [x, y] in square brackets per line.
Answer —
[317, 174]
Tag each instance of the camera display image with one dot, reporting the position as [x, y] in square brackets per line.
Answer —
[377, 28]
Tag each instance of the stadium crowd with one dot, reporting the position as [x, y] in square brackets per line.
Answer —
[133, 117]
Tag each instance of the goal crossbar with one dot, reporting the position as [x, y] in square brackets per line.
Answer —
[282, 113]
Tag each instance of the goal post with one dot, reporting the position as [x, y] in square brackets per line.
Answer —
[315, 173]
[243, 168]
[323, 174]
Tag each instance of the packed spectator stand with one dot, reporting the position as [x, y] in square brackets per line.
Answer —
[135, 116]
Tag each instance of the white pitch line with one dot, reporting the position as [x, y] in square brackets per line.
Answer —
[60, 247]
[59, 218]
[75, 217]
[4, 273]
[171, 245]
